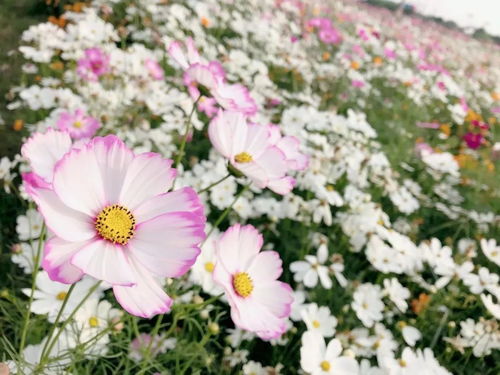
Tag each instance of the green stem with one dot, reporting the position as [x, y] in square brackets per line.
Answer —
[226, 212]
[36, 263]
[214, 184]
[186, 134]
[59, 314]
[65, 323]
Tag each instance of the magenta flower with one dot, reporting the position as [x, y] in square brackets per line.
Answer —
[250, 149]
[78, 124]
[357, 83]
[473, 140]
[259, 302]
[113, 219]
[154, 69]
[93, 65]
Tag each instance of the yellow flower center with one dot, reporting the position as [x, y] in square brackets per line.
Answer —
[116, 224]
[242, 284]
[402, 363]
[325, 366]
[316, 324]
[93, 321]
[209, 267]
[77, 124]
[61, 296]
[243, 157]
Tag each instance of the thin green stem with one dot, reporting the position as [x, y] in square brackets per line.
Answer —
[59, 314]
[226, 212]
[214, 184]
[36, 263]
[45, 357]
[186, 134]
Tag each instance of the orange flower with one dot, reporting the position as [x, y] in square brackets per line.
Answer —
[407, 83]
[377, 60]
[205, 22]
[446, 129]
[76, 7]
[420, 304]
[326, 56]
[61, 21]
[355, 65]
[57, 65]
[18, 125]
[495, 95]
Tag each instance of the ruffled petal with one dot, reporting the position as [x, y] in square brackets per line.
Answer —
[56, 260]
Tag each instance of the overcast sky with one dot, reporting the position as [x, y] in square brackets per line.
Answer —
[475, 13]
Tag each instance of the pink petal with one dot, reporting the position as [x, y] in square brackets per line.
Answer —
[113, 158]
[237, 247]
[282, 185]
[105, 261]
[175, 51]
[65, 222]
[168, 244]
[228, 132]
[277, 297]
[149, 174]
[146, 298]
[43, 151]
[257, 140]
[274, 162]
[56, 260]
[78, 181]
[265, 266]
[182, 200]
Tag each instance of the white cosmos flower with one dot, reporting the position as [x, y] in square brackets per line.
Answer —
[491, 250]
[367, 304]
[397, 293]
[29, 225]
[312, 269]
[411, 335]
[319, 319]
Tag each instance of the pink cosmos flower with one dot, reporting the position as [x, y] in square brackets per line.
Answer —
[208, 106]
[212, 76]
[154, 69]
[357, 83]
[43, 151]
[114, 220]
[290, 146]
[259, 302]
[93, 65]
[78, 124]
[473, 140]
[250, 150]
[428, 125]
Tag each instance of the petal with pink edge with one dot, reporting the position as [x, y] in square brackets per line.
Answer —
[145, 299]
[266, 266]
[113, 158]
[228, 132]
[78, 181]
[175, 51]
[56, 260]
[276, 296]
[282, 185]
[273, 161]
[167, 244]
[44, 150]
[106, 261]
[148, 175]
[181, 200]
[63, 221]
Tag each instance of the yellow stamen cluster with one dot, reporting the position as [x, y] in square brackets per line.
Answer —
[243, 157]
[93, 322]
[61, 296]
[242, 284]
[209, 267]
[116, 224]
[325, 366]
[316, 324]
[77, 124]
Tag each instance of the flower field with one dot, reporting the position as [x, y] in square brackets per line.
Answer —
[251, 187]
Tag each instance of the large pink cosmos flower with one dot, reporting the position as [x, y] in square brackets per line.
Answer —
[259, 302]
[114, 220]
[78, 124]
[250, 149]
[94, 64]
[212, 76]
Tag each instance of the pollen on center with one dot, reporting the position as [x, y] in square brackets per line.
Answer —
[116, 224]
[77, 124]
[209, 267]
[243, 157]
[242, 284]
[325, 366]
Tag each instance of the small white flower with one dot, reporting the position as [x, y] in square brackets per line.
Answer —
[491, 250]
[319, 319]
[397, 293]
[367, 303]
[312, 268]
[29, 225]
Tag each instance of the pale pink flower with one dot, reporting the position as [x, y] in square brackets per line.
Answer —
[154, 69]
[78, 124]
[94, 64]
[43, 151]
[114, 220]
[250, 150]
[290, 146]
[259, 302]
